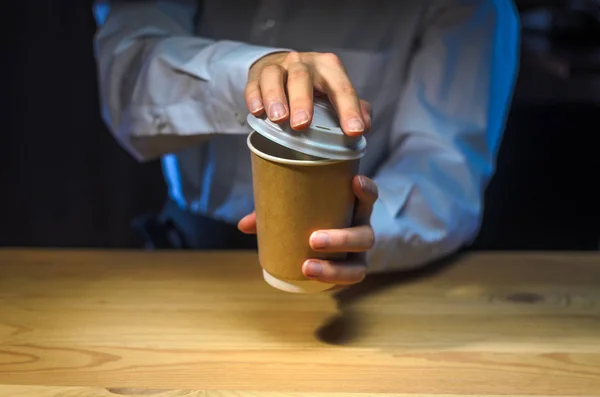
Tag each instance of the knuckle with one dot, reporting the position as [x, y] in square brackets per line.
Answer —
[331, 58]
[300, 101]
[348, 89]
[272, 93]
[272, 69]
[345, 239]
[353, 274]
[293, 57]
[252, 83]
[252, 90]
[298, 74]
[344, 275]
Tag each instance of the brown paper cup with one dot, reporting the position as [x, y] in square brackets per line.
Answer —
[296, 194]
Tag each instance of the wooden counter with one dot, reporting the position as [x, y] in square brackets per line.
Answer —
[110, 323]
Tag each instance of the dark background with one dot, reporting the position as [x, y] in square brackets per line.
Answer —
[65, 182]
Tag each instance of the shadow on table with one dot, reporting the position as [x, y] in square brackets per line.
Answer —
[344, 327]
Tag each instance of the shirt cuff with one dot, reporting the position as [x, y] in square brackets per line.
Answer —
[402, 240]
[147, 132]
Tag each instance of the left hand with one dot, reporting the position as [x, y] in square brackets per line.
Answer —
[355, 240]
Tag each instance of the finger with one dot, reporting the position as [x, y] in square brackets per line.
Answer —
[248, 224]
[366, 193]
[300, 94]
[273, 92]
[254, 97]
[352, 239]
[367, 113]
[341, 92]
[340, 273]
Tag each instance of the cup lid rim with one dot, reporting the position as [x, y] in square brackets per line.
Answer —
[275, 159]
[323, 138]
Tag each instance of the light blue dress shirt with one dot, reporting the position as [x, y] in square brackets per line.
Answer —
[439, 73]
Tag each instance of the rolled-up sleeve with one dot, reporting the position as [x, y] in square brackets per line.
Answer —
[446, 134]
[161, 88]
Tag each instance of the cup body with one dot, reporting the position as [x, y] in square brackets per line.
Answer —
[296, 194]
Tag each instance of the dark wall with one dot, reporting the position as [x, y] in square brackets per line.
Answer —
[65, 182]
[545, 193]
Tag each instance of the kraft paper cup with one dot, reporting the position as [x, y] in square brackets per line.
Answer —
[296, 194]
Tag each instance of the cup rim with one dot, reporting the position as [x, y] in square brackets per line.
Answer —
[286, 161]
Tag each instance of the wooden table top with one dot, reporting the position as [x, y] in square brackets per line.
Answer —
[109, 323]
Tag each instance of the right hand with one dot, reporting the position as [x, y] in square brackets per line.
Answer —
[302, 75]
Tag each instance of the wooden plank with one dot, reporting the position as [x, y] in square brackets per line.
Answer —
[54, 391]
[490, 324]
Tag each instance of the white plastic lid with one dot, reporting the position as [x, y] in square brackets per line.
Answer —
[323, 138]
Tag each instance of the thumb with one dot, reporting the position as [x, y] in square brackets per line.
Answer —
[248, 224]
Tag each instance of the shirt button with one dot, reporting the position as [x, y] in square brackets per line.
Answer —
[268, 24]
[240, 118]
[159, 123]
[416, 241]
[162, 126]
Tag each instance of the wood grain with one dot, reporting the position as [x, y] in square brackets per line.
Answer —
[54, 391]
[206, 323]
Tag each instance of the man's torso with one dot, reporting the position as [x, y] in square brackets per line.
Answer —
[374, 40]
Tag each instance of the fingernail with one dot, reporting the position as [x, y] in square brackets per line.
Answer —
[366, 186]
[255, 105]
[355, 125]
[277, 111]
[313, 269]
[300, 117]
[320, 240]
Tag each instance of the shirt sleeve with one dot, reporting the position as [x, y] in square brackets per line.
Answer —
[161, 88]
[446, 133]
